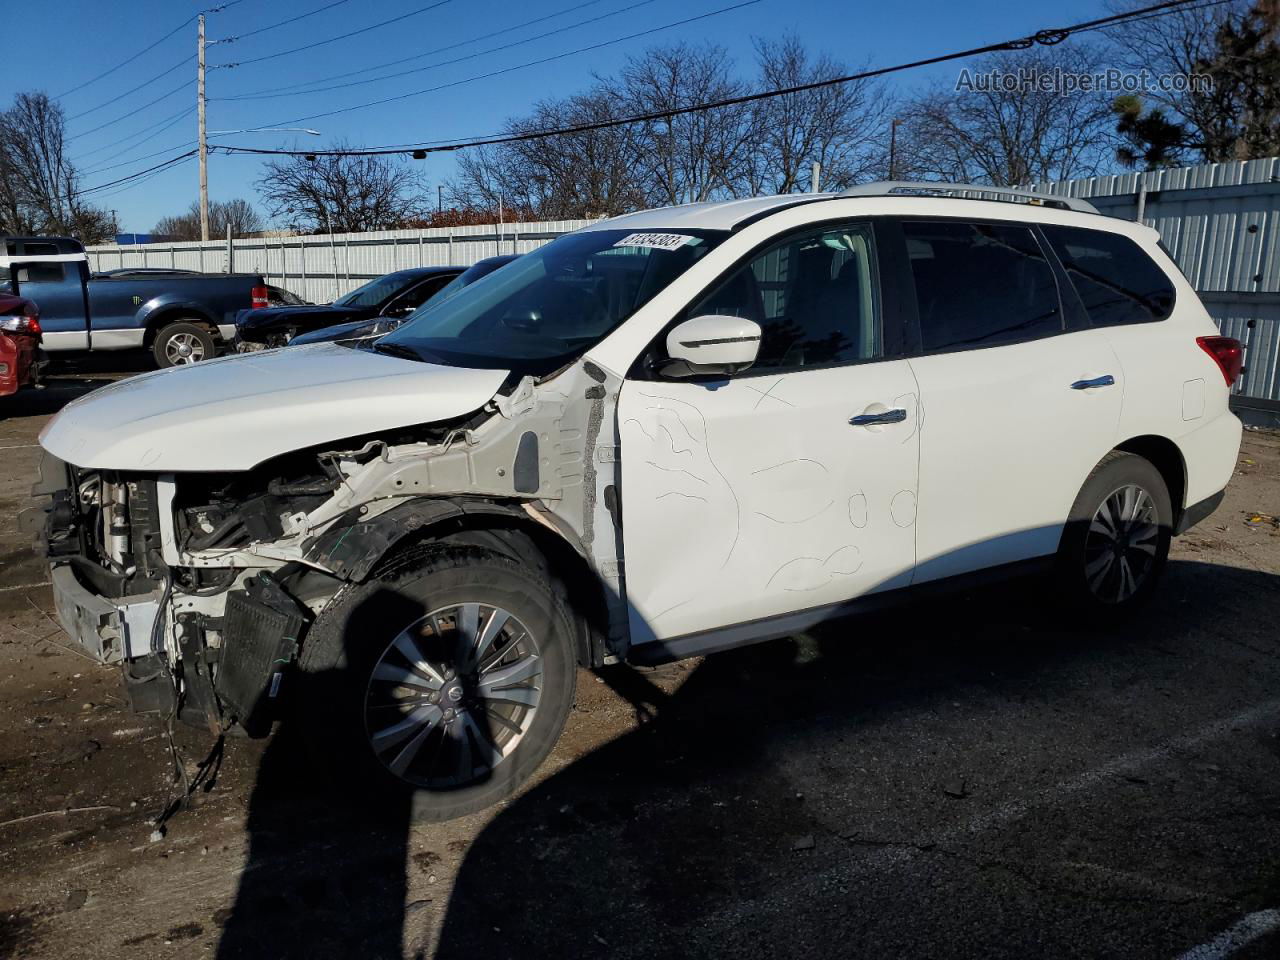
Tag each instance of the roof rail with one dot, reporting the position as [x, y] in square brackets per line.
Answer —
[969, 191]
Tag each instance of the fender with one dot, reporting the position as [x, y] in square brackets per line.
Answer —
[162, 304]
[351, 547]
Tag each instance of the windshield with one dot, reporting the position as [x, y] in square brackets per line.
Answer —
[548, 306]
[375, 291]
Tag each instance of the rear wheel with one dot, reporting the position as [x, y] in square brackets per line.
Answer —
[446, 678]
[182, 343]
[1116, 542]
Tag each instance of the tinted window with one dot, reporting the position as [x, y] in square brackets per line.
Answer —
[40, 273]
[979, 284]
[1116, 280]
[39, 249]
[548, 306]
[814, 296]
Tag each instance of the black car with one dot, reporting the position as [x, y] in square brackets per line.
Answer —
[395, 295]
[371, 329]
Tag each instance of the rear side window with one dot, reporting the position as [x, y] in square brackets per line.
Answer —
[1116, 280]
[40, 273]
[980, 284]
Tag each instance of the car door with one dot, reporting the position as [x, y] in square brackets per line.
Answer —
[1019, 403]
[789, 487]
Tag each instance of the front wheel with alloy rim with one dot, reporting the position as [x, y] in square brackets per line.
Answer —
[1116, 540]
[182, 343]
[447, 677]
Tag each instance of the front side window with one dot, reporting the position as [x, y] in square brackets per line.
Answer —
[1116, 280]
[980, 284]
[814, 295]
[549, 306]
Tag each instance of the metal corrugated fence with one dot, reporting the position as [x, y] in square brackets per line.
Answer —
[321, 267]
[1221, 222]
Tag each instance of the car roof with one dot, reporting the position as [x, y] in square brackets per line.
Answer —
[909, 199]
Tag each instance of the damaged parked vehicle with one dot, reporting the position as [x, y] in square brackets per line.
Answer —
[664, 435]
[391, 298]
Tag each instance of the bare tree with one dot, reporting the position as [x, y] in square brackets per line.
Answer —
[694, 156]
[842, 126]
[1178, 42]
[586, 174]
[346, 193]
[39, 185]
[239, 213]
[1003, 122]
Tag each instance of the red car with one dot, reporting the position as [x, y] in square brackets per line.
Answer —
[20, 355]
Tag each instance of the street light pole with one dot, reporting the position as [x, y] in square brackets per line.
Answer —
[204, 145]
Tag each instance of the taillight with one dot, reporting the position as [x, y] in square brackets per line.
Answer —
[258, 297]
[32, 313]
[1227, 353]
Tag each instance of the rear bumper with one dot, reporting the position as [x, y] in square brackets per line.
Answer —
[1200, 510]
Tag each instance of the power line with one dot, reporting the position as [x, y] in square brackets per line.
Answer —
[281, 23]
[124, 116]
[271, 92]
[521, 66]
[147, 49]
[120, 96]
[1047, 37]
[133, 160]
[164, 164]
[321, 43]
[446, 63]
[163, 125]
[1044, 37]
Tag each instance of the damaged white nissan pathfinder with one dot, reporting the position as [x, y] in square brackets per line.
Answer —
[664, 435]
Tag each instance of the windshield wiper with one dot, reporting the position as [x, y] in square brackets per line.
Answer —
[398, 350]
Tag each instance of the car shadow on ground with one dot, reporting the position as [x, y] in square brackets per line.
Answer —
[632, 848]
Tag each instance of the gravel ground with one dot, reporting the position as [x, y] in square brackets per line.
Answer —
[970, 778]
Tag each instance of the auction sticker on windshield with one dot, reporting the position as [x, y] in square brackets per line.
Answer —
[658, 241]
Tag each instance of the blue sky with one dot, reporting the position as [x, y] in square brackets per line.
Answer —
[82, 39]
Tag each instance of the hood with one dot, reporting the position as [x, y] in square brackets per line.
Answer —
[264, 320]
[236, 412]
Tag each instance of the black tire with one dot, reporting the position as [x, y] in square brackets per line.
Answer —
[337, 693]
[1105, 576]
[173, 339]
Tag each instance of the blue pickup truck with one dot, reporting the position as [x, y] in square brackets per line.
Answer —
[180, 317]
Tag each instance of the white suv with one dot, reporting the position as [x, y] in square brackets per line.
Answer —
[666, 434]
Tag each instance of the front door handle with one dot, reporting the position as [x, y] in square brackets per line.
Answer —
[888, 416]
[1106, 380]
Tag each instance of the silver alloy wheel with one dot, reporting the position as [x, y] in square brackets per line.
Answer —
[1120, 547]
[452, 695]
[184, 348]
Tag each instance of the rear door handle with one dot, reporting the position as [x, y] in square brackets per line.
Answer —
[1106, 380]
[888, 416]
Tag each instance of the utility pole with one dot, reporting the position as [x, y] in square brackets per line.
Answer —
[204, 145]
[893, 148]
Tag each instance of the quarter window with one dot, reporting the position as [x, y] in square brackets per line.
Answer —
[1117, 282]
[980, 284]
[814, 296]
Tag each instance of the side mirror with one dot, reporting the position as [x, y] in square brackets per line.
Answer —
[397, 311]
[711, 344]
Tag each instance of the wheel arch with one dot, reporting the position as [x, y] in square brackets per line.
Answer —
[177, 313]
[354, 549]
[1166, 457]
